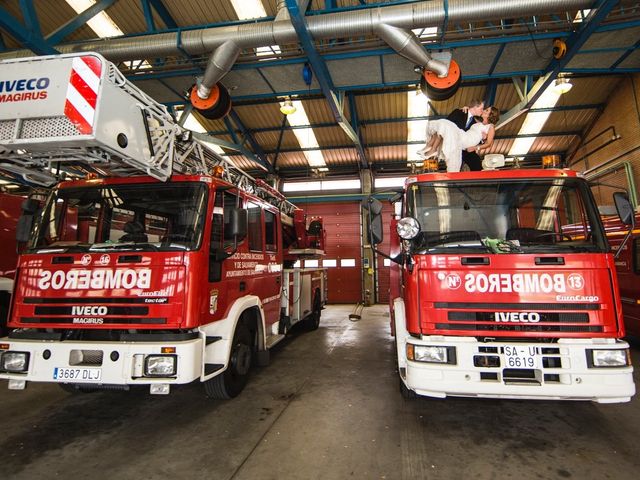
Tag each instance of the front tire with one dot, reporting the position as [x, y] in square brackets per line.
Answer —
[232, 381]
[312, 322]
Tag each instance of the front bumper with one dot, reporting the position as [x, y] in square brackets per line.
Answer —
[566, 377]
[119, 363]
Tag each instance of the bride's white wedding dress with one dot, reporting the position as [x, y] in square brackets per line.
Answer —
[455, 140]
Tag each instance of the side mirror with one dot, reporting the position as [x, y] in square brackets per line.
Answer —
[238, 224]
[375, 231]
[23, 229]
[624, 208]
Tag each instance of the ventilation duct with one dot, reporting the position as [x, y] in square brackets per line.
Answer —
[392, 24]
[330, 25]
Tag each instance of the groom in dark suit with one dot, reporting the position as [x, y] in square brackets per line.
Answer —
[464, 120]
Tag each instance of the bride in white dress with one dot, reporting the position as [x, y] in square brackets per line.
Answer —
[446, 141]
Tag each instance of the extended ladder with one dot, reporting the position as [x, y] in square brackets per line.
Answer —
[68, 115]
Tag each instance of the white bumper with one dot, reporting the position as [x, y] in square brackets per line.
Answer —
[566, 377]
[124, 368]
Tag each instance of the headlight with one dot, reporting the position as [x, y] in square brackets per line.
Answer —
[610, 358]
[408, 228]
[430, 354]
[14, 362]
[160, 365]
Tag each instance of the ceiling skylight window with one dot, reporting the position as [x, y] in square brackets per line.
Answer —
[101, 24]
[248, 9]
[428, 32]
[322, 185]
[581, 15]
[389, 182]
[306, 137]
[194, 125]
[417, 106]
[534, 121]
[104, 26]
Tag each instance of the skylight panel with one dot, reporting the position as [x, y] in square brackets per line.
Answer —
[581, 15]
[104, 27]
[101, 24]
[534, 122]
[248, 9]
[417, 106]
[192, 123]
[427, 32]
[306, 137]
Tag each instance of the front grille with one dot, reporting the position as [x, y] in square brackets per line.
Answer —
[536, 307]
[518, 317]
[562, 317]
[48, 310]
[518, 328]
[85, 357]
[94, 301]
[94, 320]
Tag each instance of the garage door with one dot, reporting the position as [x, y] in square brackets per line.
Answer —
[343, 254]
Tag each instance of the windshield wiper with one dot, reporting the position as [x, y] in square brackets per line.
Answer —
[533, 247]
[101, 247]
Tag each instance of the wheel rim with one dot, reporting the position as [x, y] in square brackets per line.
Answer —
[241, 359]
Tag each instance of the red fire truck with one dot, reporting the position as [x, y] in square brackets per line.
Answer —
[155, 280]
[628, 270]
[503, 287]
[9, 214]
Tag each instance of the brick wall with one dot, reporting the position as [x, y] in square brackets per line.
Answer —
[601, 155]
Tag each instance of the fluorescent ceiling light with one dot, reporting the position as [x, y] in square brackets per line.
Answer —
[534, 121]
[417, 106]
[306, 137]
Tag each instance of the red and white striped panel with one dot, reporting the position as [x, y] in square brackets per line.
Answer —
[82, 93]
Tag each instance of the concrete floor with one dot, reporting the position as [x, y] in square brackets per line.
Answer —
[327, 407]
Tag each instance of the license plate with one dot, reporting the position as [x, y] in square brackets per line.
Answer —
[521, 356]
[77, 374]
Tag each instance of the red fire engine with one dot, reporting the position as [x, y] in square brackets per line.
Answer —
[153, 280]
[628, 270]
[503, 287]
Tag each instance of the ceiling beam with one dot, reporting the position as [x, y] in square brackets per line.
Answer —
[248, 136]
[559, 108]
[164, 14]
[29, 36]
[78, 21]
[323, 77]
[574, 42]
[401, 143]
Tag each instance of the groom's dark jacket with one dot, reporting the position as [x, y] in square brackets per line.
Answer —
[472, 159]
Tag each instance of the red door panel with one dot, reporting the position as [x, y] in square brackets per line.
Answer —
[344, 238]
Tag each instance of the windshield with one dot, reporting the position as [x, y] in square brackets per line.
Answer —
[505, 216]
[122, 217]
